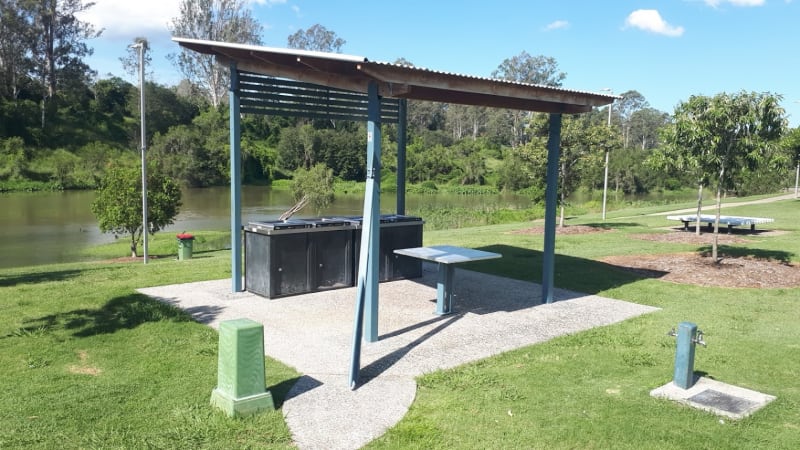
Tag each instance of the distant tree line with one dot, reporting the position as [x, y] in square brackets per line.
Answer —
[62, 127]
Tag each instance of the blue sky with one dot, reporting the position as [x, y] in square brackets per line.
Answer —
[667, 50]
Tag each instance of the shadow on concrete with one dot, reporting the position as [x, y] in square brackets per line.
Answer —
[380, 365]
[297, 387]
[412, 327]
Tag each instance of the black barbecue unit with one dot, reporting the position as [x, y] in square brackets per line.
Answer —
[297, 256]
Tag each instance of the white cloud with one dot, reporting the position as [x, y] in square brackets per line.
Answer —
[558, 24]
[650, 20]
[127, 20]
[715, 3]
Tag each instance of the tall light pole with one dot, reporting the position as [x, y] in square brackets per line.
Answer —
[145, 229]
[605, 176]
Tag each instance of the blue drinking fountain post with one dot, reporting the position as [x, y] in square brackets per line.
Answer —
[688, 336]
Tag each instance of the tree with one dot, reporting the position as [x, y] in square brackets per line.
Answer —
[643, 126]
[317, 38]
[313, 186]
[583, 143]
[214, 20]
[16, 37]
[525, 68]
[791, 146]
[631, 102]
[724, 135]
[130, 62]
[59, 48]
[118, 205]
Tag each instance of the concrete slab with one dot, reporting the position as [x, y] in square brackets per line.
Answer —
[313, 333]
[717, 397]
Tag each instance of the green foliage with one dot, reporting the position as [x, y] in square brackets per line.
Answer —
[315, 184]
[317, 38]
[118, 205]
[719, 138]
[13, 159]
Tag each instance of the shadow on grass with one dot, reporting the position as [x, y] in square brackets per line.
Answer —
[743, 252]
[577, 274]
[120, 313]
[40, 277]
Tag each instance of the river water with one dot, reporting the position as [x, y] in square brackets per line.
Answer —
[52, 227]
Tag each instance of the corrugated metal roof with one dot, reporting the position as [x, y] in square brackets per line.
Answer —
[397, 80]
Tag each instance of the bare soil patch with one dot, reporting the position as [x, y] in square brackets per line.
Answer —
[693, 268]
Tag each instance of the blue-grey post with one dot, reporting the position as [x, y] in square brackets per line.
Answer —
[444, 289]
[236, 184]
[551, 204]
[372, 204]
[367, 277]
[401, 156]
[684, 355]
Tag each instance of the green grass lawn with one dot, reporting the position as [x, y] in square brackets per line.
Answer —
[87, 362]
[591, 389]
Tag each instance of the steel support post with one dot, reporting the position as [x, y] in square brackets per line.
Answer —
[366, 310]
[236, 183]
[551, 205]
[401, 157]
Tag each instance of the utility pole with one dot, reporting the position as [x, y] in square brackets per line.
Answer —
[145, 229]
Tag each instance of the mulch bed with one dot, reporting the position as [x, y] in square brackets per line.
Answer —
[696, 268]
[693, 268]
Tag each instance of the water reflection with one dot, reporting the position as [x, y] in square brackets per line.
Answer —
[51, 227]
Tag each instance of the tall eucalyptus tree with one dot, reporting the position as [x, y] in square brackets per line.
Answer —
[215, 20]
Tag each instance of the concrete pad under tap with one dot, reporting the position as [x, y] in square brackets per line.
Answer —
[716, 397]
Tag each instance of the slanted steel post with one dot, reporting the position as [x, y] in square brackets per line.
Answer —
[366, 310]
[236, 184]
[551, 204]
[401, 157]
[687, 337]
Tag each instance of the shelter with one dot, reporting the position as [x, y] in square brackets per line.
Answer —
[280, 81]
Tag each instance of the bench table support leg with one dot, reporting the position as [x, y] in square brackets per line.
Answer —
[444, 289]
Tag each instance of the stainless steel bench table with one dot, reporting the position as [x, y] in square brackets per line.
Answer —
[447, 256]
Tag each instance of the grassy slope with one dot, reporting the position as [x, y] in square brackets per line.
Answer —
[591, 390]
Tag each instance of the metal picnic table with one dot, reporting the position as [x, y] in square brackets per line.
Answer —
[446, 256]
[730, 221]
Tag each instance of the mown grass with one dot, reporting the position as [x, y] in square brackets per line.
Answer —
[89, 363]
[591, 389]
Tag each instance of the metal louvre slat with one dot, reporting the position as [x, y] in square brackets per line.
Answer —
[312, 115]
[279, 97]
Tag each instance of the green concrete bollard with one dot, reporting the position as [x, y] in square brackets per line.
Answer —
[241, 389]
